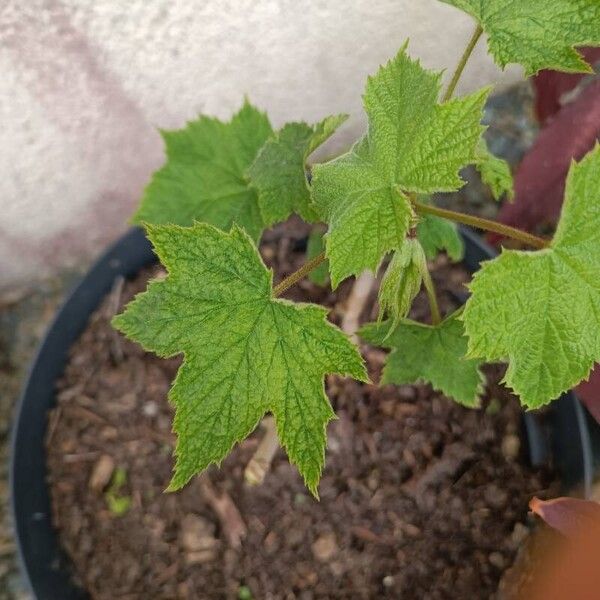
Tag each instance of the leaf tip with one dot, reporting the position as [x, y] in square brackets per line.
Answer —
[313, 488]
[118, 322]
[535, 505]
[363, 377]
[174, 485]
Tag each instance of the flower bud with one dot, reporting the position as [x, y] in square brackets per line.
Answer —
[402, 281]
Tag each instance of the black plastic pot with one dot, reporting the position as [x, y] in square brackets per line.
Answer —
[563, 433]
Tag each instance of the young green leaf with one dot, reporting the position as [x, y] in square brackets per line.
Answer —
[314, 247]
[118, 504]
[434, 354]
[495, 173]
[413, 144]
[279, 171]
[204, 176]
[541, 310]
[537, 34]
[402, 281]
[437, 234]
[245, 352]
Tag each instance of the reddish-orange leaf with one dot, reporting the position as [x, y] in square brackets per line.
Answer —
[567, 515]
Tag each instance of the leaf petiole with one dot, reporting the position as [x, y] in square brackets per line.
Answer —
[298, 275]
[436, 315]
[481, 223]
[451, 215]
[462, 63]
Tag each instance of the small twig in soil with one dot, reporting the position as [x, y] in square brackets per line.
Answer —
[356, 302]
[366, 535]
[261, 460]
[52, 423]
[72, 458]
[85, 413]
[227, 512]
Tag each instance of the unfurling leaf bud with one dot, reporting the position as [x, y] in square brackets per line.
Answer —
[402, 281]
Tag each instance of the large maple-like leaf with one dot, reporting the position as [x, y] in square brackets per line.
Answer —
[245, 352]
[541, 310]
[413, 144]
[204, 178]
[279, 171]
[540, 181]
[537, 34]
[431, 353]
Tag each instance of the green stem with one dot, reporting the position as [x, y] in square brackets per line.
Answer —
[296, 276]
[462, 63]
[436, 315]
[480, 223]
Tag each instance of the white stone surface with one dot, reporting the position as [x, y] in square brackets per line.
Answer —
[86, 82]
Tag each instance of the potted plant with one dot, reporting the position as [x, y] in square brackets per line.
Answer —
[248, 351]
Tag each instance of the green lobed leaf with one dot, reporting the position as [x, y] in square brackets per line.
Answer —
[495, 173]
[204, 176]
[540, 311]
[538, 34]
[413, 144]
[437, 234]
[402, 281]
[314, 247]
[434, 354]
[245, 352]
[279, 171]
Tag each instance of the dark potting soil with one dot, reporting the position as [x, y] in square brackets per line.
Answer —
[420, 497]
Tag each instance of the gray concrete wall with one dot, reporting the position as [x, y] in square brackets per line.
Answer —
[85, 83]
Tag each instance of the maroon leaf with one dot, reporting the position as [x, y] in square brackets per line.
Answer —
[540, 180]
[551, 86]
[570, 516]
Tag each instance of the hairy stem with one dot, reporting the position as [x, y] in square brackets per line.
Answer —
[486, 224]
[436, 315]
[298, 275]
[462, 63]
